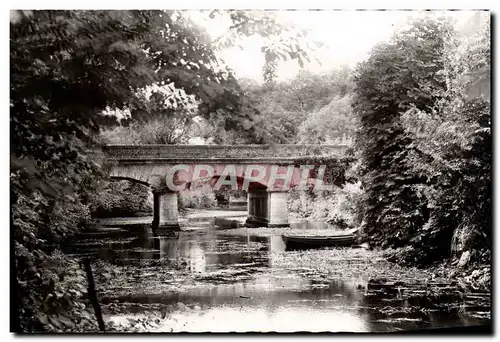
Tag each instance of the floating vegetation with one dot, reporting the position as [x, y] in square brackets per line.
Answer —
[195, 273]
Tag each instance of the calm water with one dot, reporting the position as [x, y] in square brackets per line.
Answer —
[233, 283]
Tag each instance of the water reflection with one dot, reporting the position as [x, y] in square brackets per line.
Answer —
[244, 319]
[236, 284]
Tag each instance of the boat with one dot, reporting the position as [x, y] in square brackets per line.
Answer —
[307, 242]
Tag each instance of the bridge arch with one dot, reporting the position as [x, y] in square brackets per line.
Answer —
[133, 180]
[257, 197]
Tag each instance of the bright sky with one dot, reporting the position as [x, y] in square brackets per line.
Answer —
[347, 35]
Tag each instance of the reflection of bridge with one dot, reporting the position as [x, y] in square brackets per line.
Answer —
[149, 165]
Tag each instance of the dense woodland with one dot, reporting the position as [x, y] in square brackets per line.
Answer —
[417, 179]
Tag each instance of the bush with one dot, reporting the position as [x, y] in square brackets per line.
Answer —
[170, 130]
[56, 297]
[197, 199]
[338, 207]
[50, 287]
[122, 198]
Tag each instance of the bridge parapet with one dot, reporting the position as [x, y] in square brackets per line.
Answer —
[222, 152]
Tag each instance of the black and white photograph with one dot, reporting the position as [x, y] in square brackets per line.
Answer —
[250, 171]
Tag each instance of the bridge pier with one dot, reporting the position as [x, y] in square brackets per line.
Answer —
[165, 212]
[257, 203]
[268, 209]
[278, 209]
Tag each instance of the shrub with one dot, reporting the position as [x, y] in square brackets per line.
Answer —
[121, 198]
[196, 199]
[339, 207]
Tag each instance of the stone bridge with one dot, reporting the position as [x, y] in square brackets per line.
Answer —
[266, 172]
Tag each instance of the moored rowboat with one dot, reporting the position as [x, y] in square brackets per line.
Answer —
[305, 242]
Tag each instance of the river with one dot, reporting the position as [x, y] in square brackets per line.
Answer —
[205, 279]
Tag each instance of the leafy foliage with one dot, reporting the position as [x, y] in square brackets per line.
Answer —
[339, 206]
[174, 130]
[328, 123]
[405, 72]
[281, 41]
[121, 198]
[200, 198]
[68, 69]
[292, 109]
[426, 141]
[455, 143]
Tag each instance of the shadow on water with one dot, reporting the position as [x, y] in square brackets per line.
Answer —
[231, 283]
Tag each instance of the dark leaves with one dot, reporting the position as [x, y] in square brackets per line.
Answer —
[418, 131]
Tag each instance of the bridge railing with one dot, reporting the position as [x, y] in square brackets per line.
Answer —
[172, 152]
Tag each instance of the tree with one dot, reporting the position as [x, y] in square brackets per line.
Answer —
[308, 92]
[67, 68]
[453, 152]
[289, 104]
[404, 73]
[168, 115]
[335, 120]
[281, 41]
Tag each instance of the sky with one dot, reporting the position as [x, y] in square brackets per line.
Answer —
[348, 36]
